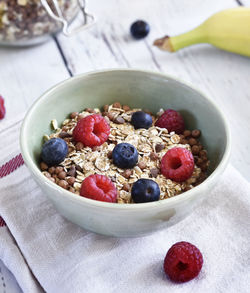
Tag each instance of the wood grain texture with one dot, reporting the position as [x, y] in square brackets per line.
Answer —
[243, 2]
[222, 75]
[25, 73]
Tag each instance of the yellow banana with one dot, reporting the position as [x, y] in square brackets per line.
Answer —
[228, 30]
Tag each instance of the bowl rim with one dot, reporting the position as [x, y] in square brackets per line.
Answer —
[169, 202]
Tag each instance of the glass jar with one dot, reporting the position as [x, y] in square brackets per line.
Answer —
[29, 22]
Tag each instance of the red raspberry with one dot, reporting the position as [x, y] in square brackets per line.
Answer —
[99, 187]
[177, 164]
[92, 130]
[2, 108]
[183, 262]
[171, 120]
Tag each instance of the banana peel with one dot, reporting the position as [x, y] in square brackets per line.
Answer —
[228, 30]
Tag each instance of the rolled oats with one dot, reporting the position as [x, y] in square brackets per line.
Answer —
[54, 124]
[151, 144]
[46, 137]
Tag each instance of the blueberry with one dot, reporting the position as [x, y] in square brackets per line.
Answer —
[125, 155]
[145, 190]
[139, 29]
[54, 151]
[141, 119]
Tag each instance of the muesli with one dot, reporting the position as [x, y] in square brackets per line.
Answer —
[152, 145]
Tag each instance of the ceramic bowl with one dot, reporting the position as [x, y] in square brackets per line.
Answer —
[139, 89]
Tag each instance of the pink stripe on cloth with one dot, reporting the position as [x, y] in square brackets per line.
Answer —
[8, 168]
[2, 223]
[11, 166]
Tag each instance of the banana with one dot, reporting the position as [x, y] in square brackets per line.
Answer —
[228, 30]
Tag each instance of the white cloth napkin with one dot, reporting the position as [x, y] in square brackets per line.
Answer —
[45, 252]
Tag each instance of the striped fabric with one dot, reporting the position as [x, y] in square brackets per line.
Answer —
[11, 166]
[8, 168]
[2, 223]
[9, 131]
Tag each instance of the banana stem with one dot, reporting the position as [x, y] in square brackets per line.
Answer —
[194, 36]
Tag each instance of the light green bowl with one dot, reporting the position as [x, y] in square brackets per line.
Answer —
[137, 89]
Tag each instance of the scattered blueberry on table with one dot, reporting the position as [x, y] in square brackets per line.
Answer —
[139, 29]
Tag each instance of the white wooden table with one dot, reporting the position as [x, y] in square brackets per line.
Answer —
[26, 73]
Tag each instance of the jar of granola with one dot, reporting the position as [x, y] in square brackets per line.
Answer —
[29, 22]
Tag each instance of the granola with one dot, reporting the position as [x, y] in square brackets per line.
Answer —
[151, 145]
[24, 20]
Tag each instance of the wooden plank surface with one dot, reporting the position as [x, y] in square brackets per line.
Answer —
[244, 2]
[25, 73]
[109, 44]
[222, 75]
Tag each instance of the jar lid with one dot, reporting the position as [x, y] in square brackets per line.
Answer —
[88, 19]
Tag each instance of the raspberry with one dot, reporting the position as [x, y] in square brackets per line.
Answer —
[99, 187]
[92, 130]
[183, 262]
[171, 120]
[177, 164]
[2, 108]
